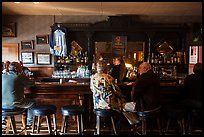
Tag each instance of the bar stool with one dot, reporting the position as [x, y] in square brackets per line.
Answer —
[178, 114]
[47, 111]
[72, 110]
[194, 119]
[10, 114]
[147, 114]
[104, 113]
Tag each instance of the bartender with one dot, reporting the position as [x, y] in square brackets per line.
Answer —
[119, 70]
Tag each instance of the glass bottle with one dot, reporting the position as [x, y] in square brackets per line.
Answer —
[86, 57]
[82, 58]
[152, 58]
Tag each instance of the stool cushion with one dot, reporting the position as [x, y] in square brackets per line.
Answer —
[12, 112]
[104, 112]
[70, 110]
[42, 110]
[149, 113]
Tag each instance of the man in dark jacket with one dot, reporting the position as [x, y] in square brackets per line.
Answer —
[145, 92]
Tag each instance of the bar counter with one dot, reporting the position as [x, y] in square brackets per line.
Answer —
[52, 92]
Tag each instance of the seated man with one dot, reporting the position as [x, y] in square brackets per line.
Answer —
[13, 83]
[145, 92]
[146, 89]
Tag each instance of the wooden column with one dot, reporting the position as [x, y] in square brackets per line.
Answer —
[89, 35]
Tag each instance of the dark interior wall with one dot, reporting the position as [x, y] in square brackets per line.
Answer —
[27, 27]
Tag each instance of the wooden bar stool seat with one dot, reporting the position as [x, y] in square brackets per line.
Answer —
[10, 115]
[47, 111]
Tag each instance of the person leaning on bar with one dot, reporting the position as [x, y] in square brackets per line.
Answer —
[13, 83]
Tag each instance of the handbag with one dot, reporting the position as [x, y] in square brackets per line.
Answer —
[131, 117]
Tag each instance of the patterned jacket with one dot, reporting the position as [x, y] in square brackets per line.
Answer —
[106, 94]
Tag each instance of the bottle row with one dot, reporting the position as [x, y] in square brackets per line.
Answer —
[174, 58]
[165, 72]
[80, 58]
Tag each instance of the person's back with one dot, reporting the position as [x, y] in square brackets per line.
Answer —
[146, 89]
[13, 83]
[10, 88]
[102, 87]
[193, 86]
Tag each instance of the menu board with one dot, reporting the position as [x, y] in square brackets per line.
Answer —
[119, 45]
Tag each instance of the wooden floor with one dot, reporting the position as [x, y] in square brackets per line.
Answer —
[125, 129]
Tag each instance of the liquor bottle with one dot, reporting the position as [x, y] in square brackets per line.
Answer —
[178, 59]
[175, 58]
[93, 68]
[78, 59]
[71, 59]
[160, 59]
[171, 59]
[58, 60]
[152, 58]
[67, 59]
[86, 57]
[156, 60]
[82, 58]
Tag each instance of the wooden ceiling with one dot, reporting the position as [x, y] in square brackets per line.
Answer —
[104, 8]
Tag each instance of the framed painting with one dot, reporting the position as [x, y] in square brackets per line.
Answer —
[27, 44]
[42, 39]
[9, 30]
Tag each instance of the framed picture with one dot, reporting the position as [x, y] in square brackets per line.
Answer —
[27, 57]
[43, 58]
[9, 30]
[75, 48]
[42, 39]
[193, 54]
[119, 45]
[27, 44]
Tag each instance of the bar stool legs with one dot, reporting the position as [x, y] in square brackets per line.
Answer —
[11, 124]
[48, 120]
[98, 125]
[65, 121]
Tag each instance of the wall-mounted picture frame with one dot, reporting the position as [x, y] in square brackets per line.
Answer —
[9, 30]
[27, 45]
[42, 39]
[43, 58]
[27, 57]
